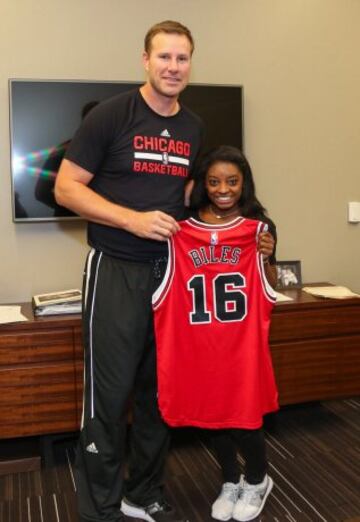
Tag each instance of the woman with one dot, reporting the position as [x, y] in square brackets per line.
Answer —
[224, 190]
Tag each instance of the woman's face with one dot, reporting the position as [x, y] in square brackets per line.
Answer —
[223, 184]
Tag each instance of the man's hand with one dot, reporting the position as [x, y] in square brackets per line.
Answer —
[151, 225]
[72, 191]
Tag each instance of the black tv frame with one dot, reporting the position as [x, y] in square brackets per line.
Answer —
[219, 105]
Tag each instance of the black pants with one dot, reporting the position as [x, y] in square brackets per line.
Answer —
[252, 447]
[120, 361]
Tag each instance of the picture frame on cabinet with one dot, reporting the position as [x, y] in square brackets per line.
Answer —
[288, 274]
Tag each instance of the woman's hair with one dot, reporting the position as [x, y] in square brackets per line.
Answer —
[249, 204]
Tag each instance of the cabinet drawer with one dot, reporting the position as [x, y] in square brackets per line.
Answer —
[36, 347]
[306, 324]
[37, 400]
[317, 370]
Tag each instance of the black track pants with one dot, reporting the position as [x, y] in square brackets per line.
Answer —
[119, 362]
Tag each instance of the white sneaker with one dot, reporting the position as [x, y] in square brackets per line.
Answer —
[252, 499]
[223, 507]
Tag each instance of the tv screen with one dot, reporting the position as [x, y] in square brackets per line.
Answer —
[44, 115]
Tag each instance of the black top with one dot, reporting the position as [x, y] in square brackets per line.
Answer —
[140, 160]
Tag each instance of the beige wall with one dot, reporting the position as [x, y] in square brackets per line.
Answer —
[299, 63]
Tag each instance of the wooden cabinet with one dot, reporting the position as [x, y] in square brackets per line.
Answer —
[40, 375]
[315, 346]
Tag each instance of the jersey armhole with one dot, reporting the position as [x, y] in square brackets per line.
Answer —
[268, 290]
[162, 290]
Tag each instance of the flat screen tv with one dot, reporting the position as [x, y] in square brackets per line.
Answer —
[44, 115]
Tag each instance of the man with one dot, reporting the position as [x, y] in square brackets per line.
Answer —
[125, 172]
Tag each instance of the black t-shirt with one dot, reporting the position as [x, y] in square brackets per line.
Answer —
[140, 160]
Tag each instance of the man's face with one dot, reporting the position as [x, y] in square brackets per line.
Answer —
[168, 64]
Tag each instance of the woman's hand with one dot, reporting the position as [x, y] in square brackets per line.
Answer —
[266, 244]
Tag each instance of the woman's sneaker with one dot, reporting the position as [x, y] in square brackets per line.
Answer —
[252, 498]
[223, 507]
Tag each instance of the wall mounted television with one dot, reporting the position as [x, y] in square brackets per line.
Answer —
[44, 115]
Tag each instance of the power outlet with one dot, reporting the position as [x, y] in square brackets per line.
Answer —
[354, 212]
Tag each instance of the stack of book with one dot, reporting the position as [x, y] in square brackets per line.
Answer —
[62, 302]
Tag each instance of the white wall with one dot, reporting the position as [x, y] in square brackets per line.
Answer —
[299, 63]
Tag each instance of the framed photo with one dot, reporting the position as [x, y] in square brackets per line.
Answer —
[288, 274]
[63, 296]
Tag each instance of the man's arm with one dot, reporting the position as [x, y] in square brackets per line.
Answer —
[72, 191]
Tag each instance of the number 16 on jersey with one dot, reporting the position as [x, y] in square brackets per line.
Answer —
[228, 298]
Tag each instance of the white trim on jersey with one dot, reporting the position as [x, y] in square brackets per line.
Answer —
[268, 290]
[214, 226]
[262, 227]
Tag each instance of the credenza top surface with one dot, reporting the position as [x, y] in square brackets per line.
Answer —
[300, 301]
[39, 323]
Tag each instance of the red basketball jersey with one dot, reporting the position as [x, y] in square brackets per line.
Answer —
[212, 317]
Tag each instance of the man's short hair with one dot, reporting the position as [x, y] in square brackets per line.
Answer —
[169, 27]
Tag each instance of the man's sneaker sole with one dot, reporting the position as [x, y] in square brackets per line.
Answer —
[130, 510]
[261, 507]
[135, 512]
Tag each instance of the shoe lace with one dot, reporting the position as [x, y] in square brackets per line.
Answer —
[251, 494]
[156, 507]
[230, 491]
